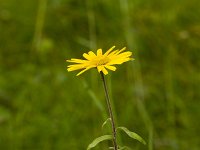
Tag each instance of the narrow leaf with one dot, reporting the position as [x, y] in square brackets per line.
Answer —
[98, 140]
[133, 135]
[105, 122]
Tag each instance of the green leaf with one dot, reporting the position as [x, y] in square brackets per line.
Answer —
[98, 140]
[133, 135]
[105, 122]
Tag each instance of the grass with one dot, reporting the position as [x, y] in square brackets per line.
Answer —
[42, 106]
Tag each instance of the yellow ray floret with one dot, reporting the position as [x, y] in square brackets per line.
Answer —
[100, 61]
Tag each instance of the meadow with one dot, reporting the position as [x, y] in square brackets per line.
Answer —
[45, 107]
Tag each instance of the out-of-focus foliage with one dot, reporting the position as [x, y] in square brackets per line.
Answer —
[44, 107]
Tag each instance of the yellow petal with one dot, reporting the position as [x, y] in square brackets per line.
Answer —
[113, 53]
[76, 60]
[121, 50]
[71, 69]
[86, 56]
[109, 50]
[92, 54]
[76, 67]
[84, 70]
[113, 68]
[99, 52]
[99, 68]
[119, 61]
[104, 71]
[125, 54]
[120, 56]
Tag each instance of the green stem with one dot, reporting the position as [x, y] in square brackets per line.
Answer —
[110, 111]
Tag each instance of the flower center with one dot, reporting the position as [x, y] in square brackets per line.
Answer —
[102, 61]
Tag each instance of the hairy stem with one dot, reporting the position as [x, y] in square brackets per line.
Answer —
[110, 111]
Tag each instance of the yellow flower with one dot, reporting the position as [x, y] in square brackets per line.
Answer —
[100, 61]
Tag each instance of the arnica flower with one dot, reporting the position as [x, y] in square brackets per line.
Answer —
[100, 61]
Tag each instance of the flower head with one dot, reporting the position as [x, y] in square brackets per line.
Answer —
[100, 61]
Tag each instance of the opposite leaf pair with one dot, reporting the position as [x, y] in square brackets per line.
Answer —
[109, 137]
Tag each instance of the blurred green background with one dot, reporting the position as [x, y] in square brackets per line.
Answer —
[43, 107]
